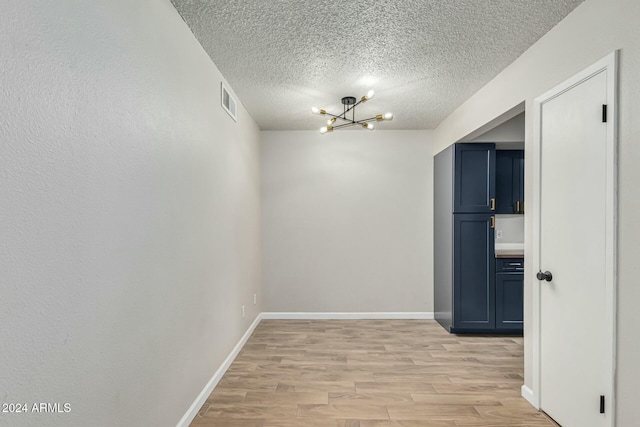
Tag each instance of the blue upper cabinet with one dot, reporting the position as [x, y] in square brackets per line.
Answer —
[510, 181]
[474, 180]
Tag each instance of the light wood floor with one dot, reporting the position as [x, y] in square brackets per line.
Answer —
[371, 373]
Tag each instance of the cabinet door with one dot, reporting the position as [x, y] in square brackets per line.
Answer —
[505, 188]
[509, 181]
[474, 178]
[509, 300]
[520, 189]
[473, 273]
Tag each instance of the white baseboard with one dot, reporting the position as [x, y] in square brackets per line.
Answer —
[347, 315]
[527, 393]
[217, 376]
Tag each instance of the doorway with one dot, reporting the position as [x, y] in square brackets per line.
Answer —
[574, 248]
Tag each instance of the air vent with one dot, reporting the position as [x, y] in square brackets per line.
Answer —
[228, 103]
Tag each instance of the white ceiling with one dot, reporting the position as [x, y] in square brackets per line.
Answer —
[423, 58]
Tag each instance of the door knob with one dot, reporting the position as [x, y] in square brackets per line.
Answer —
[544, 276]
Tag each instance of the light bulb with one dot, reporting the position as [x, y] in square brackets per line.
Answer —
[368, 96]
[331, 120]
[388, 116]
[370, 126]
[326, 129]
[315, 110]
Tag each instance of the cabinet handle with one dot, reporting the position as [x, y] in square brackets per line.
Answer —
[493, 204]
[518, 206]
[493, 222]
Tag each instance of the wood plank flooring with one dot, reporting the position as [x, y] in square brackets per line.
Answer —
[371, 373]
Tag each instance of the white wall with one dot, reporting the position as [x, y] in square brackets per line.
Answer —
[129, 213]
[510, 131]
[512, 227]
[590, 32]
[347, 221]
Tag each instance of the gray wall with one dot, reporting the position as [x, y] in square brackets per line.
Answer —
[593, 30]
[347, 221]
[443, 236]
[129, 213]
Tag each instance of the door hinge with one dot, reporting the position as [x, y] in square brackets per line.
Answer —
[604, 113]
[602, 404]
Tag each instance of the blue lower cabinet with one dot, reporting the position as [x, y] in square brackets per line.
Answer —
[473, 274]
[509, 295]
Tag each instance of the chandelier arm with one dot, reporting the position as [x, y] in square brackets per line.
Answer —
[340, 117]
[344, 125]
[367, 120]
[337, 117]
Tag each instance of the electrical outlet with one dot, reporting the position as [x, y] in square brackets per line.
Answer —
[255, 299]
[498, 234]
[242, 311]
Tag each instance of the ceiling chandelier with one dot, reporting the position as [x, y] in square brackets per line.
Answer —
[349, 103]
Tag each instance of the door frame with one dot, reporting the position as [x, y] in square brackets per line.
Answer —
[610, 65]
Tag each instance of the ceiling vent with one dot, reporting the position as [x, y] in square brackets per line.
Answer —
[228, 102]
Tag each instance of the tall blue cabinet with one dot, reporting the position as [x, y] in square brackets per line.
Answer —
[464, 263]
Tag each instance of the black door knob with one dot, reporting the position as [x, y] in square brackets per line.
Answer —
[544, 276]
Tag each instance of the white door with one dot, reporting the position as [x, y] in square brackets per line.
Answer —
[575, 325]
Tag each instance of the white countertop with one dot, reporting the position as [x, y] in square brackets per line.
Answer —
[515, 249]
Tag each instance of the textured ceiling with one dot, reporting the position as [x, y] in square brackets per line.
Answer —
[423, 58]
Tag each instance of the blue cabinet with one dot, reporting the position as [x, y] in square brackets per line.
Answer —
[509, 181]
[509, 294]
[473, 291]
[473, 273]
[464, 263]
[474, 181]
